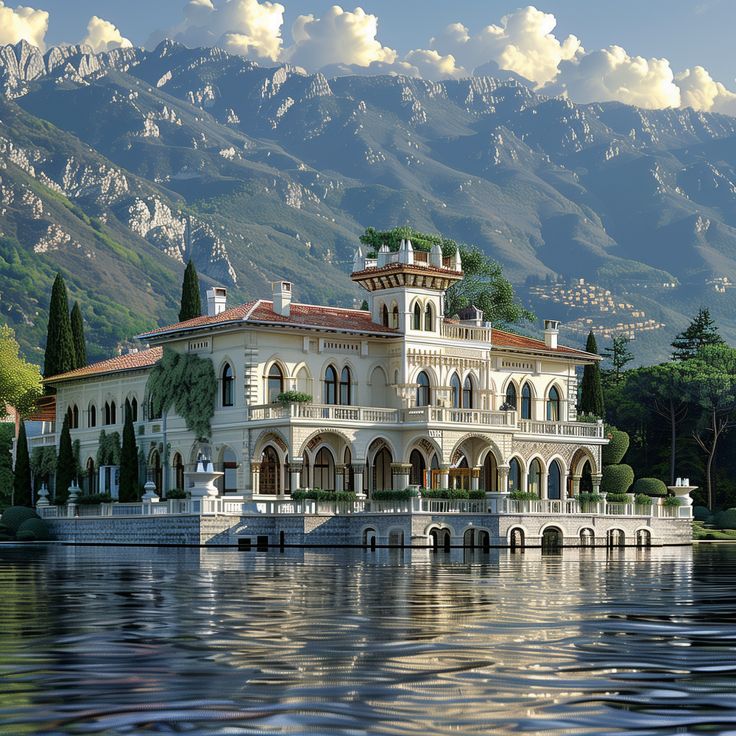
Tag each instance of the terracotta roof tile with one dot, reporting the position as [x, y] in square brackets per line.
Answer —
[127, 362]
[503, 339]
[45, 410]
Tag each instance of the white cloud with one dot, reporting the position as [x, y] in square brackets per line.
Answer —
[522, 43]
[430, 64]
[103, 35]
[338, 37]
[246, 27]
[22, 23]
[611, 74]
[701, 92]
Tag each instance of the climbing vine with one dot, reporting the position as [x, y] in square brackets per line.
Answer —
[108, 449]
[187, 383]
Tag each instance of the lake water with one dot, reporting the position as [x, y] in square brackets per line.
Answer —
[135, 640]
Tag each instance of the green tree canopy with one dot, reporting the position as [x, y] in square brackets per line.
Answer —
[128, 459]
[66, 466]
[22, 472]
[60, 355]
[20, 382]
[80, 345]
[191, 303]
[483, 286]
[700, 332]
[618, 356]
[591, 398]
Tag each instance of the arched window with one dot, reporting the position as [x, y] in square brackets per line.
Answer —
[429, 318]
[395, 317]
[110, 412]
[554, 477]
[154, 462]
[75, 417]
[418, 466]
[526, 401]
[134, 409]
[455, 391]
[514, 475]
[384, 315]
[324, 470]
[92, 416]
[349, 476]
[91, 477]
[228, 385]
[330, 392]
[468, 393]
[345, 387]
[423, 391]
[270, 476]
[534, 480]
[490, 473]
[275, 383]
[178, 466]
[382, 478]
[553, 405]
[417, 323]
[511, 395]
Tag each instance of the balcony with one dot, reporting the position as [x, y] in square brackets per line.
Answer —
[466, 333]
[562, 429]
[42, 440]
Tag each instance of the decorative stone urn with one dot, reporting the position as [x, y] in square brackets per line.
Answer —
[682, 490]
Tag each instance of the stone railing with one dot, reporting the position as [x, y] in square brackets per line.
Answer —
[453, 331]
[444, 415]
[42, 440]
[562, 429]
[320, 412]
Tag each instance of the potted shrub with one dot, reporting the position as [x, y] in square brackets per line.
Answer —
[589, 501]
[293, 397]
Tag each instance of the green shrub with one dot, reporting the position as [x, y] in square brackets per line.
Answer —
[177, 493]
[617, 498]
[33, 530]
[93, 498]
[452, 493]
[650, 486]
[14, 516]
[702, 513]
[642, 499]
[725, 519]
[589, 498]
[613, 453]
[389, 495]
[523, 496]
[316, 494]
[616, 478]
[675, 501]
[293, 397]
[6, 538]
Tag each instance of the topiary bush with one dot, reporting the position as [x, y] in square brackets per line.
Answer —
[452, 493]
[642, 499]
[523, 496]
[316, 494]
[650, 487]
[589, 498]
[617, 478]
[389, 495]
[14, 516]
[613, 453]
[725, 519]
[617, 498]
[702, 513]
[33, 530]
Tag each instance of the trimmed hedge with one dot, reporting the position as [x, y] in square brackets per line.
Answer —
[33, 530]
[617, 478]
[613, 453]
[701, 513]
[319, 495]
[725, 519]
[672, 501]
[650, 486]
[452, 493]
[589, 498]
[642, 499]
[617, 498]
[14, 516]
[523, 496]
[93, 498]
[389, 495]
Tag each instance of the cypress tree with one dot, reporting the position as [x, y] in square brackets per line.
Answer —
[191, 305]
[591, 399]
[128, 460]
[59, 341]
[65, 464]
[22, 470]
[80, 346]
[700, 332]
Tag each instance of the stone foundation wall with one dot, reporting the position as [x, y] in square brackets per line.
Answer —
[329, 531]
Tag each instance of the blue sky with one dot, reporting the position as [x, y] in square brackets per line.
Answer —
[687, 33]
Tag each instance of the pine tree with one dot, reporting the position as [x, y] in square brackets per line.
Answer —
[65, 464]
[22, 470]
[80, 346]
[128, 460]
[700, 332]
[619, 356]
[191, 305]
[591, 399]
[59, 341]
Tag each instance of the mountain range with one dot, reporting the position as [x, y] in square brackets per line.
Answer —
[116, 168]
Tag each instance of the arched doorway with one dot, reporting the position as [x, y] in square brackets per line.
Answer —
[270, 480]
[587, 537]
[154, 463]
[369, 538]
[490, 474]
[230, 470]
[324, 470]
[616, 538]
[418, 468]
[554, 481]
[477, 538]
[517, 539]
[91, 477]
[439, 539]
[551, 539]
[382, 470]
[586, 478]
[643, 538]
[178, 468]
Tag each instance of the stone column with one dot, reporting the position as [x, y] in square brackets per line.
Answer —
[339, 477]
[596, 483]
[575, 490]
[503, 478]
[543, 489]
[475, 478]
[444, 476]
[295, 472]
[358, 470]
[400, 474]
[255, 477]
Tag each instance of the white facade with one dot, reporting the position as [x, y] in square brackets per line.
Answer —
[400, 395]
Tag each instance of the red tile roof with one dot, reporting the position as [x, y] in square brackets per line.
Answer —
[45, 410]
[127, 362]
[301, 315]
[503, 339]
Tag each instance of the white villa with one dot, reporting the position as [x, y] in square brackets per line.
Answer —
[401, 396]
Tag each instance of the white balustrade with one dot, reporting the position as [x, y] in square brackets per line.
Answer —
[561, 429]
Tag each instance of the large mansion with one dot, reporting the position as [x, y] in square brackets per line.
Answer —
[400, 395]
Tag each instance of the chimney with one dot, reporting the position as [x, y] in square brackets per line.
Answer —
[435, 257]
[551, 331]
[216, 300]
[282, 298]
